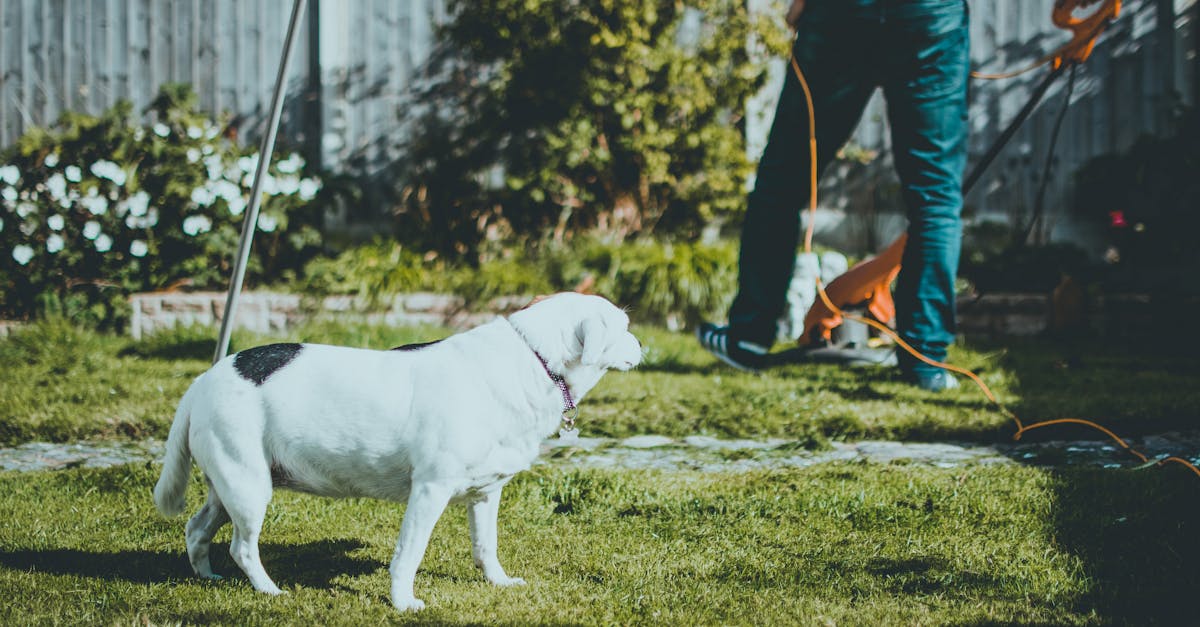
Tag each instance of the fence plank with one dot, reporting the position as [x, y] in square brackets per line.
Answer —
[86, 54]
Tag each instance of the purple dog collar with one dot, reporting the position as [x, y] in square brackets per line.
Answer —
[570, 411]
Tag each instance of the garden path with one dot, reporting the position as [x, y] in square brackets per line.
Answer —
[701, 453]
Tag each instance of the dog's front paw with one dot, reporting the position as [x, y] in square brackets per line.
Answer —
[507, 581]
[411, 604]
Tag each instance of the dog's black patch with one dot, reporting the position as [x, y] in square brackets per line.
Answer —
[258, 363]
[417, 346]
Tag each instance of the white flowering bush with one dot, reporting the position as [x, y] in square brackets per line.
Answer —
[98, 207]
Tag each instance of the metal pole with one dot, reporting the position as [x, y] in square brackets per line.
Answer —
[1002, 141]
[250, 221]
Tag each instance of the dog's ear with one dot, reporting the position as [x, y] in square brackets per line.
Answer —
[591, 333]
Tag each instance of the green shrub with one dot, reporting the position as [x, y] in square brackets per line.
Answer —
[98, 207]
[622, 116]
[1147, 198]
[675, 282]
[992, 262]
[370, 273]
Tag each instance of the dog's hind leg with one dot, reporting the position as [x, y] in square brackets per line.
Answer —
[243, 483]
[481, 518]
[200, 531]
[426, 503]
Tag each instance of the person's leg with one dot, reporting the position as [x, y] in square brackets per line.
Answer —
[926, 91]
[829, 50]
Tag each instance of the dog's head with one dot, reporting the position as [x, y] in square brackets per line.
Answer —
[570, 330]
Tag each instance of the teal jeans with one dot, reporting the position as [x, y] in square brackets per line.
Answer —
[917, 52]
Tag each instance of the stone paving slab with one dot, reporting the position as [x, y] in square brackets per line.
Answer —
[50, 456]
[702, 453]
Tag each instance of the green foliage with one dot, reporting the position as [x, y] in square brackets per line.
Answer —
[993, 263]
[98, 207]
[656, 281]
[371, 273]
[616, 115]
[1147, 197]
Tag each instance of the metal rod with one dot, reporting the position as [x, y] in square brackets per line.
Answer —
[1001, 141]
[250, 221]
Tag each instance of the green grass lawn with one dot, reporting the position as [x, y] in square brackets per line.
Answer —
[843, 543]
[63, 384]
[839, 543]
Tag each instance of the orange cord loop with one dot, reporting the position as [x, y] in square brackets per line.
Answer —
[1086, 30]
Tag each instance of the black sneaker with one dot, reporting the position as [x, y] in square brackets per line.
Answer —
[740, 354]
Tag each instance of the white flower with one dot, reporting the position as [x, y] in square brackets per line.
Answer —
[51, 160]
[10, 174]
[270, 185]
[57, 185]
[135, 222]
[207, 149]
[248, 164]
[236, 205]
[139, 133]
[54, 243]
[28, 228]
[96, 205]
[266, 223]
[226, 190]
[213, 164]
[91, 229]
[72, 196]
[9, 193]
[109, 170]
[26, 209]
[203, 196]
[309, 188]
[291, 164]
[162, 130]
[210, 130]
[103, 243]
[74, 174]
[138, 203]
[55, 222]
[195, 225]
[22, 253]
[195, 132]
[138, 248]
[289, 185]
[193, 155]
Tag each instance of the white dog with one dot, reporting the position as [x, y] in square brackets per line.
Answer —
[433, 423]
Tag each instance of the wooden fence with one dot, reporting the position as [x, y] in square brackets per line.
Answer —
[354, 68]
[353, 62]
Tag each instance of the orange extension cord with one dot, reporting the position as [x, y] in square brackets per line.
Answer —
[1073, 52]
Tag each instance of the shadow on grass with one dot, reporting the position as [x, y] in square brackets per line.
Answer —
[672, 366]
[1137, 537]
[1135, 533]
[310, 565]
[172, 348]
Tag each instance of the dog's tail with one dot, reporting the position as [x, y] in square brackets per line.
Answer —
[177, 464]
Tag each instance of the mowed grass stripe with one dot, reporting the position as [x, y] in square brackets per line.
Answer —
[841, 543]
[61, 383]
